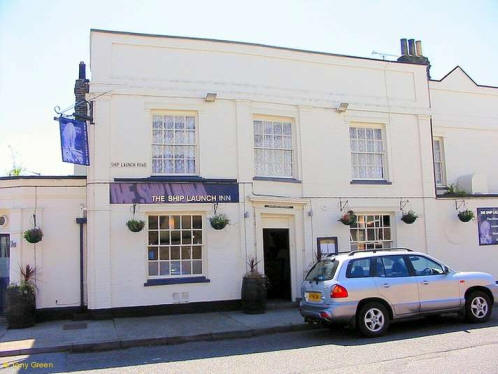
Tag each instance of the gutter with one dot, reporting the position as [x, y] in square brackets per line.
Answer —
[81, 221]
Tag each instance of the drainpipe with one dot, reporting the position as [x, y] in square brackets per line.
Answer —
[81, 221]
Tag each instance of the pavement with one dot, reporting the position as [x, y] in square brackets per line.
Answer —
[99, 335]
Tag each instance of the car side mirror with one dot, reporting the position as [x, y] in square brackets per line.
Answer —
[446, 269]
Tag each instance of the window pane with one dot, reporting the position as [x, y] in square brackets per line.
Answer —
[197, 237]
[175, 268]
[196, 267]
[197, 222]
[359, 268]
[424, 266]
[186, 253]
[164, 253]
[186, 267]
[395, 266]
[287, 130]
[175, 253]
[164, 237]
[197, 252]
[157, 122]
[164, 268]
[179, 122]
[153, 268]
[176, 222]
[153, 237]
[169, 122]
[163, 222]
[152, 253]
[190, 122]
[186, 222]
[186, 237]
[152, 222]
[175, 237]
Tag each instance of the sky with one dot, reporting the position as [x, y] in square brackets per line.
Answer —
[42, 42]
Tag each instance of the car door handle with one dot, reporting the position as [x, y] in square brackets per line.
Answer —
[425, 282]
[387, 285]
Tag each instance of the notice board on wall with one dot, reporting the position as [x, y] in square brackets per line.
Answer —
[487, 223]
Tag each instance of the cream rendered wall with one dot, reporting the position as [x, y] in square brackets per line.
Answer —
[56, 258]
[145, 74]
[466, 117]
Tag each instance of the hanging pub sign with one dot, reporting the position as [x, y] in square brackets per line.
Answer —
[173, 193]
[74, 141]
[487, 223]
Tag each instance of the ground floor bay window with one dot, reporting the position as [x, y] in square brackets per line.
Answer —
[371, 231]
[175, 246]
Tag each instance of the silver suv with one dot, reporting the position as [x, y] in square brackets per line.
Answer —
[370, 288]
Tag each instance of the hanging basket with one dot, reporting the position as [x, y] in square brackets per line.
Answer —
[348, 218]
[33, 235]
[409, 217]
[135, 225]
[465, 215]
[219, 221]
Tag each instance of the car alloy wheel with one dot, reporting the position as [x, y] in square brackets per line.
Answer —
[479, 307]
[374, 320]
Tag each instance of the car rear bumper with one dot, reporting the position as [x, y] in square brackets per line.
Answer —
[342, 312]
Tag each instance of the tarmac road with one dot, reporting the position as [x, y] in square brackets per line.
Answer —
[422, 346]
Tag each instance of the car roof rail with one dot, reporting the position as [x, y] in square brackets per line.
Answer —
[352, 253]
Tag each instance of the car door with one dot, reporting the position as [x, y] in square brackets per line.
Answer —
[396, 285]
[437, 290]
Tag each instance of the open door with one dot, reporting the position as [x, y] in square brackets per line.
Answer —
[4, 267]
[277, 263]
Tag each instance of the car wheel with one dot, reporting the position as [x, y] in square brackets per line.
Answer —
[373, 320]
[477, 307]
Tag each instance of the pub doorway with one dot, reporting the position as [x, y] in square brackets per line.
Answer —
[277, 263]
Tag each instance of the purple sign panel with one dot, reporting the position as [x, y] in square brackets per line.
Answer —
[174, 193]
[487, 223]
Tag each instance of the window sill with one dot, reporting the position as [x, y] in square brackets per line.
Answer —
[367, 181]
[277, 179]
[166, 281]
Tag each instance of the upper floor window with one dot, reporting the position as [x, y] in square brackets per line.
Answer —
[439, 168]
[368, 153]
[273, 150]
[174, 144]
[371, 231]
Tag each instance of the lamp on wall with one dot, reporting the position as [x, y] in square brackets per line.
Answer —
[342, 107]
[210, 97]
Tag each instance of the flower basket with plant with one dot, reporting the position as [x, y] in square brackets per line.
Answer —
[21, 302]
[33, 235]
[465, 215]
[409, 217]
[135, 225]
[253, 289]
[219, 221]
[348, 218]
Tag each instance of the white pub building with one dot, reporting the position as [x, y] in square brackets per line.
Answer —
[283, 142]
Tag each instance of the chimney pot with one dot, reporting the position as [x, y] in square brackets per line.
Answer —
[418, 48]
[411, 47]
[82, 70]
[404, 47]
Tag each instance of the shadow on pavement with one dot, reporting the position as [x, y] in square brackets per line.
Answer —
[315, 336]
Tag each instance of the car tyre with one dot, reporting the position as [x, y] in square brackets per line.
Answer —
[373, 320]
[478, 307]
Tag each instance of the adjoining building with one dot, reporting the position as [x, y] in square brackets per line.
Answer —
[282, 141]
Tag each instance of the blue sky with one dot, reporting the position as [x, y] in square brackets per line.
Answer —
[42, 41]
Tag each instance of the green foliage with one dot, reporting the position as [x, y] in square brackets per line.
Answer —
[219, 221]
[348, 218]
[135, 225]
[466, 215]
[33, 235]
[455, 191]
[409, 217]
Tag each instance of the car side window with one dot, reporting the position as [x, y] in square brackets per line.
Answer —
[379, 267]
[359, 268]
[395, 266]
[424, 266]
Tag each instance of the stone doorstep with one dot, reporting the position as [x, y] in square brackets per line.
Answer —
[122, 344]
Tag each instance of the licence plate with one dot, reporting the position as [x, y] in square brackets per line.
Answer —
[313, 297]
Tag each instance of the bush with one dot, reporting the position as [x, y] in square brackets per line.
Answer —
[135, 225]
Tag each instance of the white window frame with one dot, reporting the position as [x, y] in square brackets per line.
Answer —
[381, 226]
[442, 161]
[293, 151]
[202, 245]
[385, 168]
[196, 140]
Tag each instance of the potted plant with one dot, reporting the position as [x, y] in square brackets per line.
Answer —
[135, 225]
[21, 302]
[465, 215]
[409, 217]
[253, 290]
[348, 218]
[219, 221]
[33, 235]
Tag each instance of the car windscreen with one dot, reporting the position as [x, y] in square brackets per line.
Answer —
[322, 271]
